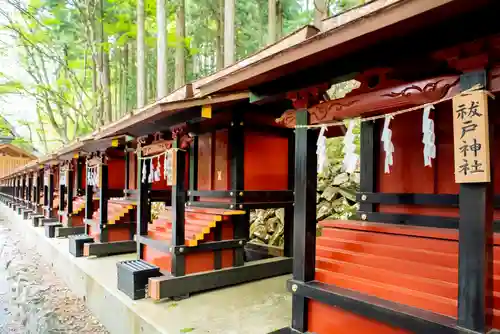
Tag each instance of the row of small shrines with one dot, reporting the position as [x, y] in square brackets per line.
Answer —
[102, 203]
[434, 274]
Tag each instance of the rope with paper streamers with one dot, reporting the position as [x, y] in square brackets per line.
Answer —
[396, 113]
[156, 174]
[93, 175]
[351, 158]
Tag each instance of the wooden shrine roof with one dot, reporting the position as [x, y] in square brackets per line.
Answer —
[13, 158]
[14, 151]
[146, 120]
[343, 35]
[69, 150]
[346, 43]
[290, 40]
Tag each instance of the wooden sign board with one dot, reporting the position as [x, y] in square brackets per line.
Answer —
[170, 168]
[471, 138]
[156, 148]
[62, 177]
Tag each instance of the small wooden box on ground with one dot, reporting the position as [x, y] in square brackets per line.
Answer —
[44, 221]
[50, 229]
[26, 213]
[76, 243]
[133, 277]
[35, 219]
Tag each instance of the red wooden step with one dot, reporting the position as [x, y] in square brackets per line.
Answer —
[390, 277]
[379, 262]
[397, 294]
[214, 211]
[189, 229]
[397, 252]
[201, 219]
[160, 235]
[442, 246]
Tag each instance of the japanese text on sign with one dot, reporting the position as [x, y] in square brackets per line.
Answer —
[471, 138]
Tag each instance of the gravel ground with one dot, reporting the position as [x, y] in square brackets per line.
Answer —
[32, 298]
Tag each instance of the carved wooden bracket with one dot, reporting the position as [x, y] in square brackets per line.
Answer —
[141, 141]
[415, 93]
[472, 55]
[95, 161]
[157, 136]
[179, 130]
[186, 141]
[66, 167]
[308, 96]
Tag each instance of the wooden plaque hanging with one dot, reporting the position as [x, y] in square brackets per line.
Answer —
[170, 168]
[62, 177]
[156, 148]
[471, 137]
[46, 177]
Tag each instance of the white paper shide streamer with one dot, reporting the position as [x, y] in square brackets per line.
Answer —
[321, 149]
[155, 167]
[165, 164]
[428, 136]
[387, 144]
[151, 171]
[168, 167]
[157, 171]
[143, 180]
[350, 157]
[92, 176]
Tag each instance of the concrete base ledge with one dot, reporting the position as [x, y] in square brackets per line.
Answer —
[258, 307]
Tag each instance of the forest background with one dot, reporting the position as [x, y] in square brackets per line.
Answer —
[68, 67]
[79, 64]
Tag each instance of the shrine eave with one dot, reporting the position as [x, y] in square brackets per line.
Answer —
[383, 24]
[150, 119]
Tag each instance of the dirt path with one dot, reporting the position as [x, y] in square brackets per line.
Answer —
[32, 298]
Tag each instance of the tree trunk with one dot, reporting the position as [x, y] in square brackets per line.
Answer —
[118, 83]
[150, 79]
[320, 13]
[219, 42]
[271, 22]
[95, 84]
[161, 57]
[180, 51]
[41, 133]
[100, 62]
[124, 85]
[228, 32]
[141, 55]
[279, 19]
[106, 83]
[133, 68]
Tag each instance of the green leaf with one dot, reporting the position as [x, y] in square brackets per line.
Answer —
[10, 87]
[187, 330]
[50, 21]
